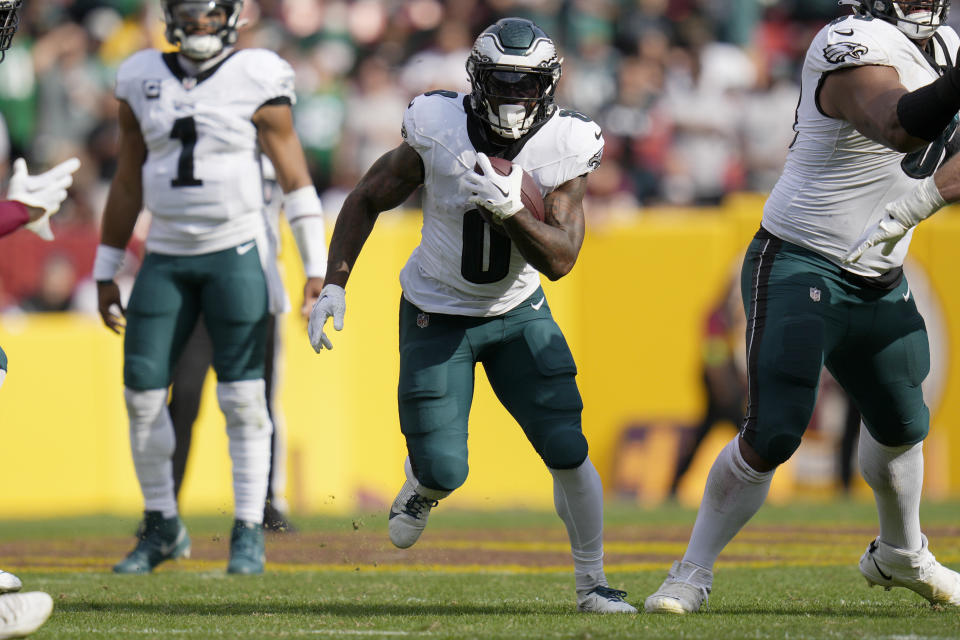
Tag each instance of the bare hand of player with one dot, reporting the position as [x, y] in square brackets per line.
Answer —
[110, 307]
[311, 293]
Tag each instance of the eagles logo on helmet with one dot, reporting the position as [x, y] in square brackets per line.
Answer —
[918, 19]
[9, 21]
[513, 70]
[202, 28]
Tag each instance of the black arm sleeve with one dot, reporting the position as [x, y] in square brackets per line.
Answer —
[925, 113]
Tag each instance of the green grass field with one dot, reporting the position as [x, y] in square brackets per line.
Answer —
[790, 574]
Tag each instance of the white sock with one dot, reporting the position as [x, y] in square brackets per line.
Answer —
[896, 476]
[733, 494]
[578, 497]
[151, 442]
[426, 492]
[248, 428]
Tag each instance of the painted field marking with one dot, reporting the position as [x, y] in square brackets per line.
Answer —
[235, 632]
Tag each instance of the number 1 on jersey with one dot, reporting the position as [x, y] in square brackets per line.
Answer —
[185, 130]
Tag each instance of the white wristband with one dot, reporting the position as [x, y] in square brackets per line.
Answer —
[302, 202]
[107, 262]
[311, 238]
[305, 215]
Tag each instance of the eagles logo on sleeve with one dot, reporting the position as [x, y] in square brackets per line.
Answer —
[840, 51]
[594, 162]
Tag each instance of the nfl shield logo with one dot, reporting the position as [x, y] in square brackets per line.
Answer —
[815, 294]
[423, 319]
[189, 83]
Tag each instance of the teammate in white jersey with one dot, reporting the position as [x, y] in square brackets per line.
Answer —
[192, 125]
[822, 285]
[472, 294]
[190, 373]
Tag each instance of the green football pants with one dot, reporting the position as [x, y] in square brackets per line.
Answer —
[170, 292]
[803, 313]
[528, 364]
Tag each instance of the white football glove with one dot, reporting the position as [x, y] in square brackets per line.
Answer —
[45, 191]
[332, 302]
[900, 216]
[500, 195]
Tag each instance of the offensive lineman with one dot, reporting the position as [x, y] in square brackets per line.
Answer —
[473, 295]
[191, 124]
[823, 284]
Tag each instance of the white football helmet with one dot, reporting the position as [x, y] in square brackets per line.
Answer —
[9, 21]
[199, 28]
[918, 19]
[513, 70]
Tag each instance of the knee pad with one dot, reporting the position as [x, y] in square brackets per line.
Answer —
[151, 432]
[892, 430]
[144, 374]
[776, 449]
[917, 429]
[444, 472]
[564, 449]
[244, 405]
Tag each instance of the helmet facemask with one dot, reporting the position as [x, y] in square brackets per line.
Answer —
[512, 101]
[202, 28]
[918, 19]
[513, 70]
[9, 22]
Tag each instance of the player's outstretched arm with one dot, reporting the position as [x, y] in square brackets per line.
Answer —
[552, 246]
[387, 184]
[124, 203]
[301, 206]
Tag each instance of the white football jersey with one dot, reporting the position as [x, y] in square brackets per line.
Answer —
[201, 177]
[836, 181]
[461, 266]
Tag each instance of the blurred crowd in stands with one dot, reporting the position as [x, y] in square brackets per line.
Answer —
[695, 97]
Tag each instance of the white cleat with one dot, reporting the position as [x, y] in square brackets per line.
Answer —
[22, 613]
[685, 590]
[408, 516]
[9, 582]
[603, 599]
[918, 571]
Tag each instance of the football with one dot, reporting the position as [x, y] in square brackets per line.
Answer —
[529, 192]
